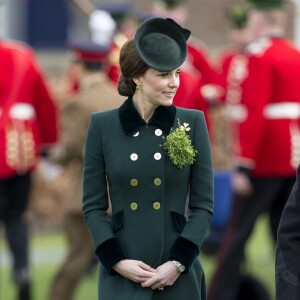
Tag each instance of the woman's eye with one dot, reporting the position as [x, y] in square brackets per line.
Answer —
[164, 74]
[178, 73]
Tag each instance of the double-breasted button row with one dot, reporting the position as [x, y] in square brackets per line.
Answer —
[134, 156]
[158, 132]
[135, 182]
[134, 206]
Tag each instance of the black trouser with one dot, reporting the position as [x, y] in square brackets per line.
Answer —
[269, 195]
[14, 197]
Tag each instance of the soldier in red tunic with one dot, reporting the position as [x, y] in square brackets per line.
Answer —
[266, 103]
[27, 128]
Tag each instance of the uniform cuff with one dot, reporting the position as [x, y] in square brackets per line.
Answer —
[244, 170]
[109, 253]
[185, 252]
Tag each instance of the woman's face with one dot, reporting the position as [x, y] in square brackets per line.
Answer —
[159, 88]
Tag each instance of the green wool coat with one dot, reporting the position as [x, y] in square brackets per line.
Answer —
[148, 195]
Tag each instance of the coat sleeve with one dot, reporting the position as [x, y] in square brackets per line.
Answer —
[95, 199]
[288, 247]
[186, 247]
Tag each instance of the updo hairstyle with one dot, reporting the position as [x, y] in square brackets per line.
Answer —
[131, 67]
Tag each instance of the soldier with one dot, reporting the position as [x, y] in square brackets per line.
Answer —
[123, 15]
[96, 93]
[112, 23]
[268, 129]
[27, 128]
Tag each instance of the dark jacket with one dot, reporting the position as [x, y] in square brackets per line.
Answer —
[148, 194]
[288, 248]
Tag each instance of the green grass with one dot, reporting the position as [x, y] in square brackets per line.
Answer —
[259, 257]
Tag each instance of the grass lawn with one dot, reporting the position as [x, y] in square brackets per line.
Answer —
[48, 250]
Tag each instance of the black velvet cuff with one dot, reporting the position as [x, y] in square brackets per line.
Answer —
[185, 252]
[109, 253]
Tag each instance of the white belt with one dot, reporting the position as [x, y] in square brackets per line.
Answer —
[282, 110]
[236, 112]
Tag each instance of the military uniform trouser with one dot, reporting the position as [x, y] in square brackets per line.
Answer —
[14, 198]
[269, 195]
[78, 259]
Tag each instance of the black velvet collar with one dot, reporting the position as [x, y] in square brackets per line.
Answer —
[163, 117]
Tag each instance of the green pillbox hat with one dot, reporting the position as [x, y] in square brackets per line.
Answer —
[161, 43]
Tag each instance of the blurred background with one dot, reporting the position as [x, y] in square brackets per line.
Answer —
[47, 26]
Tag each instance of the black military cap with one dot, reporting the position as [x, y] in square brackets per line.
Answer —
[237, 16]
[267, 3]
[161, 43]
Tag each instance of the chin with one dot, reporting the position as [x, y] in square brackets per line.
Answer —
[167, 103]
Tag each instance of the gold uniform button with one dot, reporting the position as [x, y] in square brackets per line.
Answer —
[157, 181]
[156, 205]
[134, 182]
[133, 206]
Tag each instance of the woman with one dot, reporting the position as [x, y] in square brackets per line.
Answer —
[148, 250]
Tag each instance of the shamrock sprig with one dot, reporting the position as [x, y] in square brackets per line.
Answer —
[178, 146]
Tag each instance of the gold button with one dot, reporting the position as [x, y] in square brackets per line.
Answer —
[134, 182]
[156, 205]
[157, 181]
[133, 206]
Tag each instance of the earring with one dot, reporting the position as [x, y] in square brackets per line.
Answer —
[137, 88]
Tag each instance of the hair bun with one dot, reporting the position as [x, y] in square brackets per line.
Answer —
[126, 87]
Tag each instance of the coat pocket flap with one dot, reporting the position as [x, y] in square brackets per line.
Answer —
[116, 221]
[179, 221]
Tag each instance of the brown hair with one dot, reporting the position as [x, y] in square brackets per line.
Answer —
[131, 66]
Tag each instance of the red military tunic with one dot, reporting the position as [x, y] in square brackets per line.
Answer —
[197, 58]
[264, 99]
[27, 113]
[196, 72]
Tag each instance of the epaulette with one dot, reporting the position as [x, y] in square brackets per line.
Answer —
[259, 46]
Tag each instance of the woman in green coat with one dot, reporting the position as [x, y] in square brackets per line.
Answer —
[152, 156]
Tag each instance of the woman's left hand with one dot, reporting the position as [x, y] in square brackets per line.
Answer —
[166, 275]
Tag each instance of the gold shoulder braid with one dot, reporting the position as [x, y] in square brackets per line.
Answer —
[178, 146]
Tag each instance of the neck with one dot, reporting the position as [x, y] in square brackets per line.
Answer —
[144, 108]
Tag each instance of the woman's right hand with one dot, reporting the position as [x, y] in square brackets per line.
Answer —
[134, 270]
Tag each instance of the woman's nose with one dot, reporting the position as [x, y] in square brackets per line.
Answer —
[174, 81]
